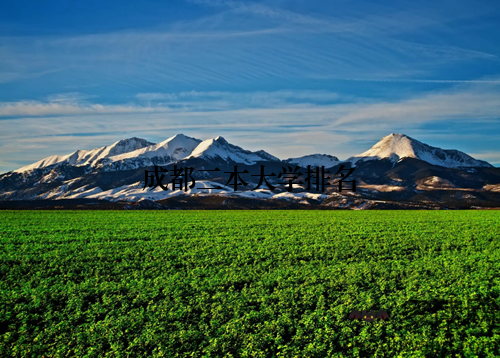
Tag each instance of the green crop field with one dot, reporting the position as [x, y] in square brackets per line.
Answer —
[249, 283]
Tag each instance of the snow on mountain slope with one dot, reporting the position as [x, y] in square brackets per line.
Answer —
[177, 147]
[136, 191]
[314, 160]
[88, 157]
[220, 148]
[170, 150]
[81, 193]
[396, 146]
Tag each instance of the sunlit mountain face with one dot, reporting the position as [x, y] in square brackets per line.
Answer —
[398, 171]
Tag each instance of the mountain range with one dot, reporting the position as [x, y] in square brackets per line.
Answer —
[397, 172]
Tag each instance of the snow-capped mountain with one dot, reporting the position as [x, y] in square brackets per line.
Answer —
[314, 160]
[219, 148]
[170, 150]
[415, 173]
[396, 146]
[89, 157]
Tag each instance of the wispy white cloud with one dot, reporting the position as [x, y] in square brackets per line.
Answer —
[464, 101]
[489, 156]
[56, 108]
[70, 97]
[241, 99]
[402, 80]
[72, 104]
[284, 128]
[473, 102]
[372, 22]
[245, 43]
[6, 77]
[264, 10]
[442, 51]
[141, 78]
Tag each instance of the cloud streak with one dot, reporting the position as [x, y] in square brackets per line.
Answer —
[490, 156]
[246, 43]
[478, 100]
[40, 109]
[274, 121]
[464, 103]
[352, 73]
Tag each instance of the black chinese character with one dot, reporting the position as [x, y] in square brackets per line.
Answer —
[211, 170]
[235, 176]
[181, 178]
[344, 176]
[156, 176]
[263, 179]
[320, 181]
[290, 176]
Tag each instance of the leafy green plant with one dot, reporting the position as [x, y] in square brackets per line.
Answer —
[249, 283]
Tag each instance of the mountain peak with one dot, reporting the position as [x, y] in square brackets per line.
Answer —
[179, 139]
[88, 157]
[315, 160]
[221, 140]
[396, 146]
[218, 147]
[127, 145]
[179, 136]
[171, 149]
[131, 139]
[396, 135]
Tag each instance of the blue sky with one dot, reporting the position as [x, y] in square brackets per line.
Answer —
[292, 77]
